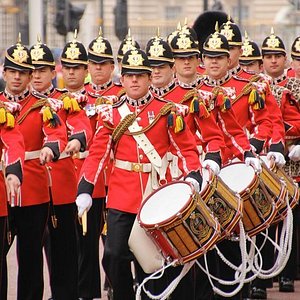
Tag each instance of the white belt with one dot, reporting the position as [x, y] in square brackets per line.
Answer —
[36, 154]
[32, 154]
[81, 155]
[64, 155]
[134, 167]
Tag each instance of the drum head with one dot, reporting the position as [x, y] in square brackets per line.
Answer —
[165, 203]
[237, 176]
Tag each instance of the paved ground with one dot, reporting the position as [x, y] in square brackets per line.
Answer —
[273, 293]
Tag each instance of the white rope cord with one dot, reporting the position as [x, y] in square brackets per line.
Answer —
[239, 279]
[158, 274]
[282, 250]
[251, 258]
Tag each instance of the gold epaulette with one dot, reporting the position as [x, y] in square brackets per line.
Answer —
[190, 94]
[37, 104]
[255, 78]
[121, 92]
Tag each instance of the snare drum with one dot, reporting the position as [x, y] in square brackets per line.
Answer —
[289, 188]
[259, 209]
[222, 201]
[179, 222]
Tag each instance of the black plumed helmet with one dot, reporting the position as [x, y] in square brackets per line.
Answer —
[205, 24]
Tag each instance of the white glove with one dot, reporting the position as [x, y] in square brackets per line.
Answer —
[278, 158]
[194, 182]
[254, 162]
[295, 153]
[84, 202]
[211, 164]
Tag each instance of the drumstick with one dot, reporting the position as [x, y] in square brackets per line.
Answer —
[84, 222]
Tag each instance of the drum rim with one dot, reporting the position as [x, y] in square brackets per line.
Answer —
[171, 218]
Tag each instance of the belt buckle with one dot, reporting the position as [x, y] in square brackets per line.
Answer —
[76, 156]
[136, 167]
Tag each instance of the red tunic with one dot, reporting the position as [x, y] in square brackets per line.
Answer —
[90, 108]
[290, 108]
[12, 147]
[253, 118]
[37, 134]
[287, 96]
[126, 187]
[211, 138]
[262, 81]
[63, 173]
[235, 138]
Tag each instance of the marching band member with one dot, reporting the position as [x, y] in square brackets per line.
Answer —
[216, 61]
[137, 171]
[12, 147]
[165, 85]
[45, 137]
[285, 90]
[258, 88]
[101, 68]
[254, 117]
[62, 255]
[211, 139]
[74, 61]
[251, 62]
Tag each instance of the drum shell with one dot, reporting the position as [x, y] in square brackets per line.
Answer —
[225, 205]
[286, 189]
[188, 234]
[259, 209]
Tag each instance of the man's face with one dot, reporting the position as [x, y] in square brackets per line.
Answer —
[136, 85]
[235, 53]
[274, 64]
[42, 78]
[216, 67]
[16, 81]
[296, 67]
[162, 75]
[255, 66]
[100, 72]
[74, 77]
[186, 67]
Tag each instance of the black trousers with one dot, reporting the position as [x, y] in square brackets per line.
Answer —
[117, 256]
[231, 251]
[28, 223]
[62, 253]
[290, 270]
[89, 281]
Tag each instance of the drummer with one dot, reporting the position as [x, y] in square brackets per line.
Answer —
[285, 90]
[202, 124]
[137, 171]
